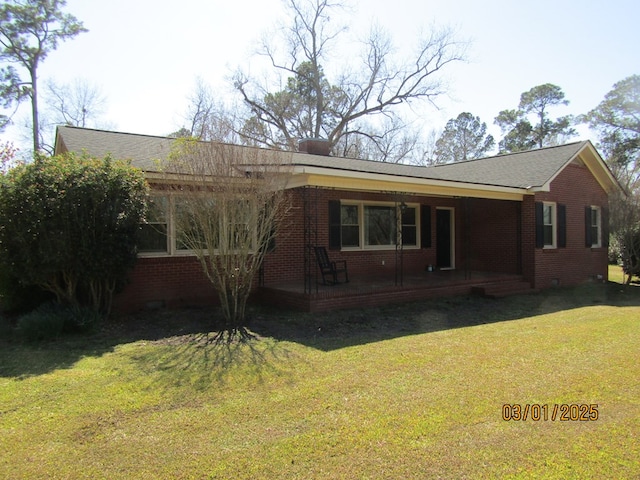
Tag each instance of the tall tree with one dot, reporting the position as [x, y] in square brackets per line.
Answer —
[79, 104]
[617, 120]
[463, 138]
[522, 134]
[207, 119]
[29, 31]
[314, 104]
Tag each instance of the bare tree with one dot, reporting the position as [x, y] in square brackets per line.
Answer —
[393, 141]
[206, 119]
[80, 103]
[311, 105]
[230, 202]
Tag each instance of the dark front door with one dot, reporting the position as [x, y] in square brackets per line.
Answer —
[444, 237]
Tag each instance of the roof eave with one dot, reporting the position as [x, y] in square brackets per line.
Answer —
[355, 180]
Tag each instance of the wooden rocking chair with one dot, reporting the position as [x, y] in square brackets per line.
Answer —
[330, 269]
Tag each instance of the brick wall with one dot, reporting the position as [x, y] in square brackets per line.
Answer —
[576, 188]
[494, 236]
[165, 282]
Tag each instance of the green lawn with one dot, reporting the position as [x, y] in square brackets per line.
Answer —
[414, 391]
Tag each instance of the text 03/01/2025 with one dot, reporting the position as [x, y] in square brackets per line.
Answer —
[563, 412]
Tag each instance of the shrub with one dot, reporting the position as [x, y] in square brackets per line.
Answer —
[18, 298]
[81, 319]
[51, 320]
[6, 328]
[69, 225]
[44, 323]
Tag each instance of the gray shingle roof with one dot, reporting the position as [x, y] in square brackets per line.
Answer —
[518, 170]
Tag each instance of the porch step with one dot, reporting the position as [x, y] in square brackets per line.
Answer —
[502, 289]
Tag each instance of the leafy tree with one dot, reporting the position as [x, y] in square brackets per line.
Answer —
[29, 31]
[521, 133]
[463, 138]
[68, 224]
[345, 105]
[7, 156]
[232, 200]
[617, 120]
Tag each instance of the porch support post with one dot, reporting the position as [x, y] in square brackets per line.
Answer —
[467, 238]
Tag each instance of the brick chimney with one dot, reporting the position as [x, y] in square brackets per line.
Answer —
[315, 146]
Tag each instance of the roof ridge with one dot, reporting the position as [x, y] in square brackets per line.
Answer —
[502, 155]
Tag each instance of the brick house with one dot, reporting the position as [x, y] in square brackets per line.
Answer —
[498, 225]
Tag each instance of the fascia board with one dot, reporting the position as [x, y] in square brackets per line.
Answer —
[353, 180]
[594, 162]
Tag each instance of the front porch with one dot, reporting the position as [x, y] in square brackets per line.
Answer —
[365, 291]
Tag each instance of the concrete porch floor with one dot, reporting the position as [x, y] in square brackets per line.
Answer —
[366, 291]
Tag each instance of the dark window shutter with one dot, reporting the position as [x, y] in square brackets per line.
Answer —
[562, 226]
[271, 244]
[539, 225]
[425, 226]
[605, 227]
[335, 241]
[588, 242]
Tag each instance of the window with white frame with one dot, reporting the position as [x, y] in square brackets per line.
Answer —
[153, 236]
[549, 224]
[596, 219]
[375, 225]
[174, 226]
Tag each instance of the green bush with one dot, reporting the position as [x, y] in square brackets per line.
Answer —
[6, 329]
[18, 298]
[44, 323]
[69, 224]
[51, 320]
[81, 319]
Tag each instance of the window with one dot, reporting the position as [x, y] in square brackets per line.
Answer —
[153, 232]
[349, 226]
[594, 226]
[174, 225]
[187, 228]
[549, 224]
[379, 225]
[374, 225]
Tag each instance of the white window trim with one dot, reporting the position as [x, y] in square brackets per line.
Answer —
[365, 203]
[598, 241]
[172, 244]
[554, 224]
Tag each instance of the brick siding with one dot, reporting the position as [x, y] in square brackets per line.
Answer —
[491, 235]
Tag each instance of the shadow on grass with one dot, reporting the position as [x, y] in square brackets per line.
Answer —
[334, 330]
[183, 349]
[199, 361]
[190, 356]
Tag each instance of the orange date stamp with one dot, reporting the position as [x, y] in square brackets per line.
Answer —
[543, 412]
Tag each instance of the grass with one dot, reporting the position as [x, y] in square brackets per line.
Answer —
[413, 391]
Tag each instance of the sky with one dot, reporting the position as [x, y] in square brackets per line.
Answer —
[145, 55]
